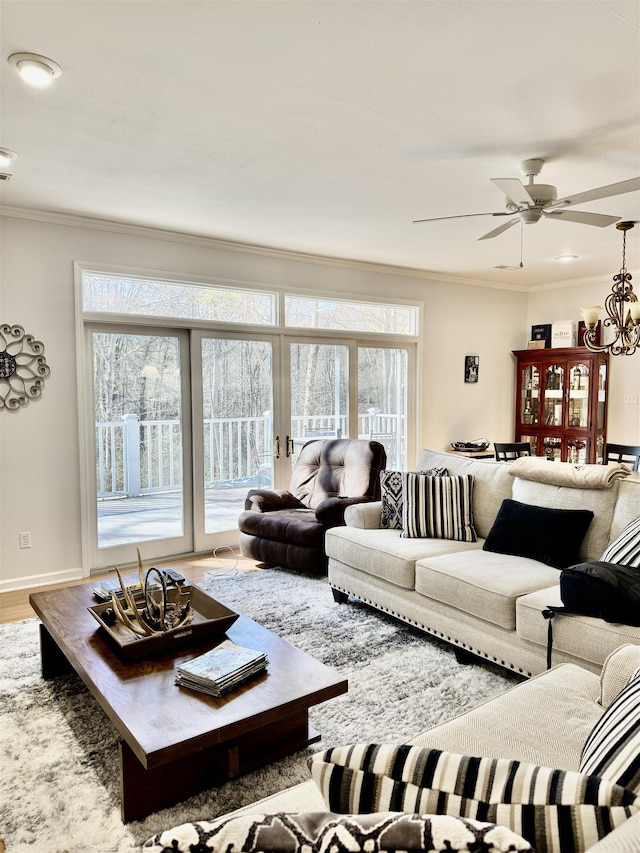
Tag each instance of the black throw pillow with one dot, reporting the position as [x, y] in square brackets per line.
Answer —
[551, 536]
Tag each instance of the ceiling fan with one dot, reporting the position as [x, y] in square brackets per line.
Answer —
[529, 203]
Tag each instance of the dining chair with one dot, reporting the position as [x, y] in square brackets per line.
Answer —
[627, 454]
[506, 452]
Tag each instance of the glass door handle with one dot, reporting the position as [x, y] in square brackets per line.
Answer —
[290, 447]
[276, 447]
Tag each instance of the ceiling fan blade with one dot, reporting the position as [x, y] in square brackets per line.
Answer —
[629, 186]
[514, 190]
[499, 229]
[581, 216]
[462, 216]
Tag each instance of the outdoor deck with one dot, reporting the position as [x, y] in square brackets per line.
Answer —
[159, 516]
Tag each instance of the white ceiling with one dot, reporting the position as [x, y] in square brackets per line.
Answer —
[327, 127]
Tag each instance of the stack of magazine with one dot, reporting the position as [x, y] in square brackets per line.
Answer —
[221, 669]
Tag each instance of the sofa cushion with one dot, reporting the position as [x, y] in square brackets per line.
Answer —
[491, 483]
[552, 536]
[584, 638]
[625, 548]
[324, 832]
[544, 720]
[555, 810]
[391, 496]
[482, 583]
[437, 507]
[612, 750]
[600, 501]
[385, 554]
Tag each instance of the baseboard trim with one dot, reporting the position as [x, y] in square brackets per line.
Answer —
[44, 579]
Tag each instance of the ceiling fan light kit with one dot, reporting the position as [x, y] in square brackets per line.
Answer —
[623, 311]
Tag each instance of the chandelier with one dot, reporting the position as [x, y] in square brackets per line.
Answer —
[624, 319]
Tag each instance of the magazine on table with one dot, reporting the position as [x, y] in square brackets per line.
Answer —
[217, 671]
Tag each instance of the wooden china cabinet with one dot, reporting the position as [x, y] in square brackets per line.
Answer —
[561, 403]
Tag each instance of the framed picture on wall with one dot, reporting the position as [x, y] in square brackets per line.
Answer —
[471, 368]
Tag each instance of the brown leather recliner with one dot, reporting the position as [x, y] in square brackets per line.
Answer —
[287, 528]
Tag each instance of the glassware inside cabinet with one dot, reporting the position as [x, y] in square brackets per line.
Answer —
[529, 394]
[577, 451]
[579, 396]
[553, 389]
[602, 397]
[552, 449]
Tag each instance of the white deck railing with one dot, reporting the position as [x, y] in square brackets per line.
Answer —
[135, 457]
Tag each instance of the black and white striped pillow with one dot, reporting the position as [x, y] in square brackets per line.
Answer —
[557, 811]
[612, 750]
[625, 548]
[437, 507]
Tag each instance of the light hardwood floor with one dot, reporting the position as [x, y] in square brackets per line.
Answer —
[15, 605]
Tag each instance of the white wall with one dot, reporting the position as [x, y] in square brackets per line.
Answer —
[39, 458]
[563, 303]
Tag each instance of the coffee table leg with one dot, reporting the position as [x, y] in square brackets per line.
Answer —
[143, 791]
[52, 661]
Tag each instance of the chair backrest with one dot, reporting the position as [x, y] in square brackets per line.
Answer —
[342, 467]
[627, 454]
[508, 451]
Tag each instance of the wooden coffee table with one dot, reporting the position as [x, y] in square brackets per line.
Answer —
[174, 741]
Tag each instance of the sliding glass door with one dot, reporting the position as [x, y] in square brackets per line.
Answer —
[142, 444]
[233, 437]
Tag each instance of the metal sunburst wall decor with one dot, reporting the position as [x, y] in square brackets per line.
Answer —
[23, 367]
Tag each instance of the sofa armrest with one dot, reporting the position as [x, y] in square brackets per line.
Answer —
[366, 515]
[270, 500]
[330, 511]
[617, 670]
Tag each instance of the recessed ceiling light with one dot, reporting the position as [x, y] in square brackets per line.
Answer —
[34, 69]
[6, 158]
[566, 259]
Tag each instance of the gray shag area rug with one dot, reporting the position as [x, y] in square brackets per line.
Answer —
[59, 756]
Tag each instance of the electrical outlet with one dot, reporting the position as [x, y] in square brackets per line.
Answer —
[25, 540]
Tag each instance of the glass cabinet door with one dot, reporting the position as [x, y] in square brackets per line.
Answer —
[552, 448]
[577, 451]
[553, 392]
[529, 394]
[578, 396]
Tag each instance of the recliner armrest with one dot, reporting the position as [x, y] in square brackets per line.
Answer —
[330, 511]
[270, 500]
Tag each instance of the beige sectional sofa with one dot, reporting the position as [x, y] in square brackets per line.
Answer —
[485, 603]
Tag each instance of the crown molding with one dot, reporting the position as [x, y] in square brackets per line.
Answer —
[245, 248]
[578, 282]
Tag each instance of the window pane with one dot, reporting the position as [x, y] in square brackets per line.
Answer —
[382, 401]
[138, 422]
[308, 313]
[117, 295]
[238, 427]
[319, 401]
